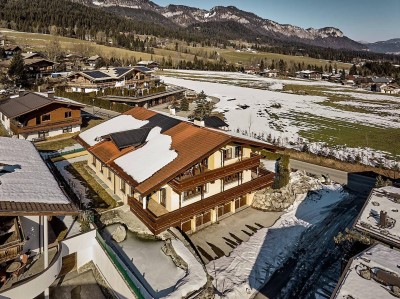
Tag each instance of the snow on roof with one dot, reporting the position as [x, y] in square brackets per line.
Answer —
[147, 160]
[24, 176]
[116, 124]
[375, 258]
[385, 199]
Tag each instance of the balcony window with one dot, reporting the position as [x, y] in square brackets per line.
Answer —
[109, 175]
[231, 178]
[238, 151]
[194, 192]
[101, 168]
[68, 114]
[122, 185]
[46, 117]
[67, 129]
[94, 161]
[227, 154]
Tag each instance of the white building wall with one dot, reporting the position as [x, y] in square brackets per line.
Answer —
[31, 229]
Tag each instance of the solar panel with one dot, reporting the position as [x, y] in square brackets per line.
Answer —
[119, 71]
[162, 121]
[96, 74]
[214, 122]
[142, 69]
[130, 138]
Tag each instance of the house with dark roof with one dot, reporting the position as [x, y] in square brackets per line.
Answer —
[32, 116]
[113, 77]
[10, 51]
[174, 173]
[148, 63]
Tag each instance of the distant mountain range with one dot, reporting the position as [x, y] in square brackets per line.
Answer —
[391, 46]
[221, 19]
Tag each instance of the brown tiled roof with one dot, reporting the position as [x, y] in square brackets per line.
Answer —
[12, 208]
[140, 113]
[192, 143]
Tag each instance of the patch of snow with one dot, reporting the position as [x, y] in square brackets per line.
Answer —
[379, 256]
[76, 185]
[25, 176]
[251, 264]
[116, 124]
[147, 160]
[276, 86]
[195, 277]
[382, 199]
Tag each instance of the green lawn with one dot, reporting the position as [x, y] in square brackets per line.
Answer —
[100, 198]
[338, 132]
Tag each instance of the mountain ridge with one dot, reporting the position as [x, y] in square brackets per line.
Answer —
[186, 17]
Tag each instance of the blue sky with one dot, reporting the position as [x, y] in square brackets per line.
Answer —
[365, 20]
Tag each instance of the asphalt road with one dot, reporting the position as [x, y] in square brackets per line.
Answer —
[362, 183]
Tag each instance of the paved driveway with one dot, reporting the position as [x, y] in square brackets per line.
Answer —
[221, 238]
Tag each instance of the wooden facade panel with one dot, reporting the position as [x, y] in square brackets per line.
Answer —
[186, 225]
[243, 201]
[56, 111]
[227, 208]
[207, 217]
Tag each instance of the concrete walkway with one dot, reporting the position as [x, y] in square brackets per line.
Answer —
[221, 238]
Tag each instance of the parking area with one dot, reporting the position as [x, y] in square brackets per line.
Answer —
[222, 237]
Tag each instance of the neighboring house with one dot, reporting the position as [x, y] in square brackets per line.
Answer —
[73, 62]
[380, 217]
[173, 173]
[269, 73]
[372, 274]
[149, 64]
[34, 116]
[390, 89]
[93, 60]
[32, 55]
[104, 78]
[2, 40]
[29, 197]
[310, 75]
[10, 51]
[35, 68]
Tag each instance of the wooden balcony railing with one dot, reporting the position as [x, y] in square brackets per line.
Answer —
[19, 128]
[215, 174]
[113, 83]
[175, 218]
[13, 243]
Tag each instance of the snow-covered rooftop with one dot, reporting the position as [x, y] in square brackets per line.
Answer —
[386, 199]
[376, 259]
[147, 160]
[24, 177]
[116, 124]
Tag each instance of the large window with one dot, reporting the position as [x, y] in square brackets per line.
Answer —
[67, 129]
[122, 185]
[227, 154]
[194, 192]
[68, 114]
[45, 117]
[94, 161]
[231, 178]
[109, 174]
[238, 151]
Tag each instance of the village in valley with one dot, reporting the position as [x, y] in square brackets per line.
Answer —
[188, 170]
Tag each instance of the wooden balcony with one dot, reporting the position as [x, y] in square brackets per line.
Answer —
[215, 174]
[112, 84]
[175, 218]
[11, 240]
[18, 128]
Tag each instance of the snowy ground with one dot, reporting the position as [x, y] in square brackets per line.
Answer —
[252, 263]
[77, 186]
[270, 114]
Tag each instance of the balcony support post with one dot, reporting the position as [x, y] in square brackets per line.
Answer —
[46, 249]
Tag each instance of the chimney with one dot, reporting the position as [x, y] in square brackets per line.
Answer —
[199, 123]
[50, 94]
[21, 92]
[383, 219]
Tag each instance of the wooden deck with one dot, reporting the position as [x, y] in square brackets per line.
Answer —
[177, 217]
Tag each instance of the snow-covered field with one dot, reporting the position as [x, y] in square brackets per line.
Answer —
[284, 116]
[250, 265]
